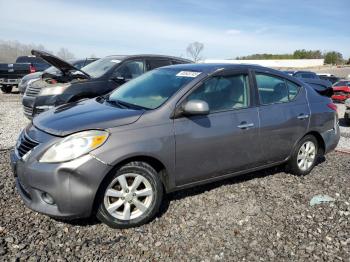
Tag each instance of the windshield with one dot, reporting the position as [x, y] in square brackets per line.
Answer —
[100, 66]
[152, 89]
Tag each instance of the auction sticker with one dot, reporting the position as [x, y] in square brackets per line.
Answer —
[188, 73]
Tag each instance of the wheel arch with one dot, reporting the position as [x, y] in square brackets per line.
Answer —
[320, 141]
[152, 161]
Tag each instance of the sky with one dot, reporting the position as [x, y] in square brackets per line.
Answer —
[226, 28]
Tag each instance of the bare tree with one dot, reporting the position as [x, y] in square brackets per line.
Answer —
[65, 54]
[10, 50]
[194, 51]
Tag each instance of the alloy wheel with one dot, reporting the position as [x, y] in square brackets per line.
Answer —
[306, 155]
[128, 196]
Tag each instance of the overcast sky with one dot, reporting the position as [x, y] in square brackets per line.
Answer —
[227, 28]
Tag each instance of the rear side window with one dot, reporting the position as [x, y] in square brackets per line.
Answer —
[271, 89]
[29, 59]
[275, 90]
[153, 64]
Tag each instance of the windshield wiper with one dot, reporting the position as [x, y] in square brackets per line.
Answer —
[116, 103]
[123, 104]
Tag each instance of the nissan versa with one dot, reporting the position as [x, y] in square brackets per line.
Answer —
[171, 128]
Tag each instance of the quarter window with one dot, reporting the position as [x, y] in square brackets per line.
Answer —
[224, 92]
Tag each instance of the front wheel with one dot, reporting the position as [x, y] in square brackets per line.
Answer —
[131, 197]
[6, 89]
[304, 156]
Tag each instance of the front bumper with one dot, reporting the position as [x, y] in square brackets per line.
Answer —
[72, 185]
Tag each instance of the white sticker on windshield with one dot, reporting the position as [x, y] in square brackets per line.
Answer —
[115, 61]
[188, 73]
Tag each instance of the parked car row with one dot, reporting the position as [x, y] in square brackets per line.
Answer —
[27, 79]
[95, 79]
[11, 74]
[171, 128]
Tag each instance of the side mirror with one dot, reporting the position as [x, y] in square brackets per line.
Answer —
[119, 79]
[195, 107]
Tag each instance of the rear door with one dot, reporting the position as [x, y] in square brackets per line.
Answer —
[284, 115]
[225, 140]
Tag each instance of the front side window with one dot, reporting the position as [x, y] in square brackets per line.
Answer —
[101, 66]
[152, 89]
[130, 69]
[223, 92]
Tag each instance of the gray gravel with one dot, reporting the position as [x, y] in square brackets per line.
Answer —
[261, 216]
[12, 119]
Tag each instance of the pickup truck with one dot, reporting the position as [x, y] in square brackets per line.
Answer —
[11, 74]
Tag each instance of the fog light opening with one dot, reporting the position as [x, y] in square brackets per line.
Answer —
[47, 198]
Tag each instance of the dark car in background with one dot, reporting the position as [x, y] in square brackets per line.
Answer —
[172, 128]
[27, 79]
[329, 77]
[11, 73]
[314, 80]
[96, 79]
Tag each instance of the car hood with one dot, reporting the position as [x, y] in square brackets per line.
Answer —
[60, 64]
[84, 115]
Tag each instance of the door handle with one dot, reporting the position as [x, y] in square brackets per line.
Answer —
[302, 116]
[245, 125]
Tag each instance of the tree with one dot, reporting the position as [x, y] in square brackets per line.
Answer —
[333, 58]
[194, 51]
[65, 54]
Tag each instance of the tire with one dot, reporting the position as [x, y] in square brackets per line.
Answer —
[295, 164]
[117, 198]
[6, 89]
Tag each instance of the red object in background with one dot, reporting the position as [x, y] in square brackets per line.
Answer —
[341, 93]
[333, 107]
[32, 69]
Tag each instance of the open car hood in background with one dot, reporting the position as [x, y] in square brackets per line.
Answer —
[57, 62]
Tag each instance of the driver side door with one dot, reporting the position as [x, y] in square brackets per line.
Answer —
[225, 140]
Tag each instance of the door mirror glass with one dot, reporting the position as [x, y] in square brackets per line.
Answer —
[195, 107]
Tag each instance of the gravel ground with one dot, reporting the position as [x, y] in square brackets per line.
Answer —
[261, 216]
[265, 215]
[12, 119]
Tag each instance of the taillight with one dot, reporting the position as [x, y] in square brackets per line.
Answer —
[333, 107]
[32, 68]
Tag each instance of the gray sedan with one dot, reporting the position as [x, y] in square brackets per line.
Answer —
[174, 127]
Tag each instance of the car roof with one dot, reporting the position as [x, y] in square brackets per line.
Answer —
[123, 57]
[212, 67]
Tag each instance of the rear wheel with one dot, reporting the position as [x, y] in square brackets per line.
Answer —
[6, 89]
[131, 197]
[304, 156]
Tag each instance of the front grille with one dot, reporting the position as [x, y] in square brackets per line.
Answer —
[25, 144]
[28, 110]
[32, 90]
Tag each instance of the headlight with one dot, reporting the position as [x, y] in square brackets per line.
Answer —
[54, 90]
[347, 102]
[74, 146]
